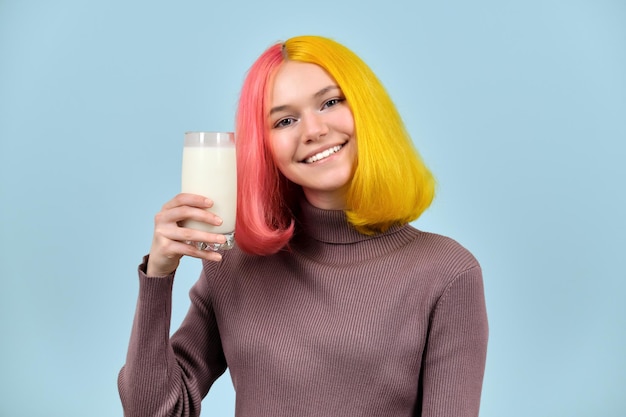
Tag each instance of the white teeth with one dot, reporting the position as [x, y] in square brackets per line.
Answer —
[323, 155]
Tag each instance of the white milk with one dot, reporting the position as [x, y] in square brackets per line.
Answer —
[211, 172]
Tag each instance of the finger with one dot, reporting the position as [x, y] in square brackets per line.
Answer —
[190, 249]
[180, 213]
[172, 243]
[164, 258]
[166, 230]
[187, 199]
[183, 234]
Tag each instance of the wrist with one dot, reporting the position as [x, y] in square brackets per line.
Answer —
[153, 271]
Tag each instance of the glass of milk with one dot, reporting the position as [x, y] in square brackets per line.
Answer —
[210, 170]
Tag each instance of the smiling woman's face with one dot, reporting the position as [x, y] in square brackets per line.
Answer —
[312, 133]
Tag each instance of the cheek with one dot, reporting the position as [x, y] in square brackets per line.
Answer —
[280, 149]
[346, 121]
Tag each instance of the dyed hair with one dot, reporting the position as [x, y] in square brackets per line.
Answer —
[391, 184]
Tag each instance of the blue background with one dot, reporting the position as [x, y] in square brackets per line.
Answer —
[519, 107]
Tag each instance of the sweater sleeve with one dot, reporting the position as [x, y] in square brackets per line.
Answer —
[456, 350]
[165, 377]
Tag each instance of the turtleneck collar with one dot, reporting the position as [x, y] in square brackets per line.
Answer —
[327, 237]
[331, 226]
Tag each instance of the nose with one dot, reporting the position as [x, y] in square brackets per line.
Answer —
[313, 126]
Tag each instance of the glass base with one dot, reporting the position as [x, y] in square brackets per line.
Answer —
[230, 242]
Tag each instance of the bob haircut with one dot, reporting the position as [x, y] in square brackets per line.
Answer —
[391, 184]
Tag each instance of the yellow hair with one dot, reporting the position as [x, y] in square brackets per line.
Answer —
[391, 183]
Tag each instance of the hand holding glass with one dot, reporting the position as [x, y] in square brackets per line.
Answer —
[210, 170]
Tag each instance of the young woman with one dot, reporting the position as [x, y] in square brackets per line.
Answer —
[331, 304]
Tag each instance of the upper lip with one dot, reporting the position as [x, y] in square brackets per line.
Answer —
[321, 149]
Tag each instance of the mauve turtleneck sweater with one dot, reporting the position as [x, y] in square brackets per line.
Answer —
[339, 325]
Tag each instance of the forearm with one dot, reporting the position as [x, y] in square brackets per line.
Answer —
[151, 382]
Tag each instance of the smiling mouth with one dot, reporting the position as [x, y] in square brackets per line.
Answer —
[323, 155]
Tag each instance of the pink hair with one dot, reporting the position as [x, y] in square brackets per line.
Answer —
[264, 220]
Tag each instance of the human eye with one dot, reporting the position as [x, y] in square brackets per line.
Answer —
[284, 122]
[332, 102]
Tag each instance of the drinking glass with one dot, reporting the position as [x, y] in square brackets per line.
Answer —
[210, 170]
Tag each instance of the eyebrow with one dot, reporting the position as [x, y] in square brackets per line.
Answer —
[320, 93]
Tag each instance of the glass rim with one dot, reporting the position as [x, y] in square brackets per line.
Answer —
[209, 138]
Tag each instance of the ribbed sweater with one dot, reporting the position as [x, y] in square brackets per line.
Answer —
[340, 324]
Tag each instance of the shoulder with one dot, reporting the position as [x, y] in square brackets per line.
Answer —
[438, 253]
